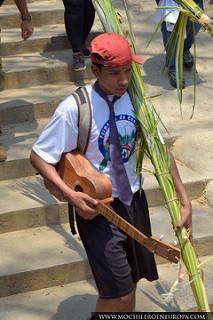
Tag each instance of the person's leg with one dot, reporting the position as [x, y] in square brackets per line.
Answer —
[166, 35]
[105, 246]
[172, 69]
[88, 22]
[74, 24]
[187, 56]
[122, 304]
[139, 258]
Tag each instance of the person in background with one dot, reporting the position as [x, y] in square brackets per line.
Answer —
[79, 16]
[166, 30]
[26, 32]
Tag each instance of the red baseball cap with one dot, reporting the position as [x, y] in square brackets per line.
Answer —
[114, 50]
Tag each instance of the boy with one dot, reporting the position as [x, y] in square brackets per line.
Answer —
[117, 261]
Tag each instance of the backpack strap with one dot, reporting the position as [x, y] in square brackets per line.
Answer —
[84, 118]
[84, 127]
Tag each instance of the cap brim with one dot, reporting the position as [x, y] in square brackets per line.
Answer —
[137, 59]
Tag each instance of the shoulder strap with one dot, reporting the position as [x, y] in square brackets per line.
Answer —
[84, 127]
[84, 118]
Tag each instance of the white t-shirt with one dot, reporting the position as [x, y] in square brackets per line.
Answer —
[60, 135]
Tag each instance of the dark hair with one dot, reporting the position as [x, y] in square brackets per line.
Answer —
[98, 57]
[97, 65]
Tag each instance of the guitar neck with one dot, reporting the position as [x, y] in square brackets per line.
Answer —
[151, 243]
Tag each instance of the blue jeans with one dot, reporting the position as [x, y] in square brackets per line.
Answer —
[189, 35]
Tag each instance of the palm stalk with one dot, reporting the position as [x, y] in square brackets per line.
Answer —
[148, 120]
[196, 14]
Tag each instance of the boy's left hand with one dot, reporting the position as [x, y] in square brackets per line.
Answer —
[186, 219]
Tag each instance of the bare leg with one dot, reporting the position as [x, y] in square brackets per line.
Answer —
[121, 304]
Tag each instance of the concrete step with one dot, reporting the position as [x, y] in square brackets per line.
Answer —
[33, 103]
[27, 197]
[43, 13]
[37, 102]
[39, 258]
[19, 138]
[202, 223]
[77, 300]
[6, 2]
[33, 69]
[17, 189]
[45, 38]
[48, 256]
[25, 203]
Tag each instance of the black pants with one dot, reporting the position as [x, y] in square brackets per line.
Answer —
[78, 17]
[117, 261]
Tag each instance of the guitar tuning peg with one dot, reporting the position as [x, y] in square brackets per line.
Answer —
[161, 237]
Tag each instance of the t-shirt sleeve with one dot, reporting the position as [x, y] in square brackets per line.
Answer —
[60, 134]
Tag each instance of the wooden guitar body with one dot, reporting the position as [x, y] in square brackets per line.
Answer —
[77, 172]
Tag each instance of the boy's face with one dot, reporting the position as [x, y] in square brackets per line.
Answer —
[113, 80]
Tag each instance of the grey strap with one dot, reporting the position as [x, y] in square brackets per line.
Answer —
[84, 127]
[84, 118]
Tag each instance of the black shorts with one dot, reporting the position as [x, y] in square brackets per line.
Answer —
[117, 261]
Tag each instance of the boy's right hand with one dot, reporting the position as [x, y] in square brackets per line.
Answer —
[84, 205]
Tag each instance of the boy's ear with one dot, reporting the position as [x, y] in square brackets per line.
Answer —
[95, 70]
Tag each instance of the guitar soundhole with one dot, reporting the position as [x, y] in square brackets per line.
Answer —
[78, 188]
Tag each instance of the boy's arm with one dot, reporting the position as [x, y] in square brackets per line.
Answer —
[186, 207]
[26, 25]
[84, 205]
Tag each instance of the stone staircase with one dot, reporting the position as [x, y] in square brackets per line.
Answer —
[44, 273]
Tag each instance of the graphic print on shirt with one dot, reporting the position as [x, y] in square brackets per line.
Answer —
[127, 126]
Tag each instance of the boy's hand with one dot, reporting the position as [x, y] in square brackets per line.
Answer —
[84, 205]
[186, 219]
